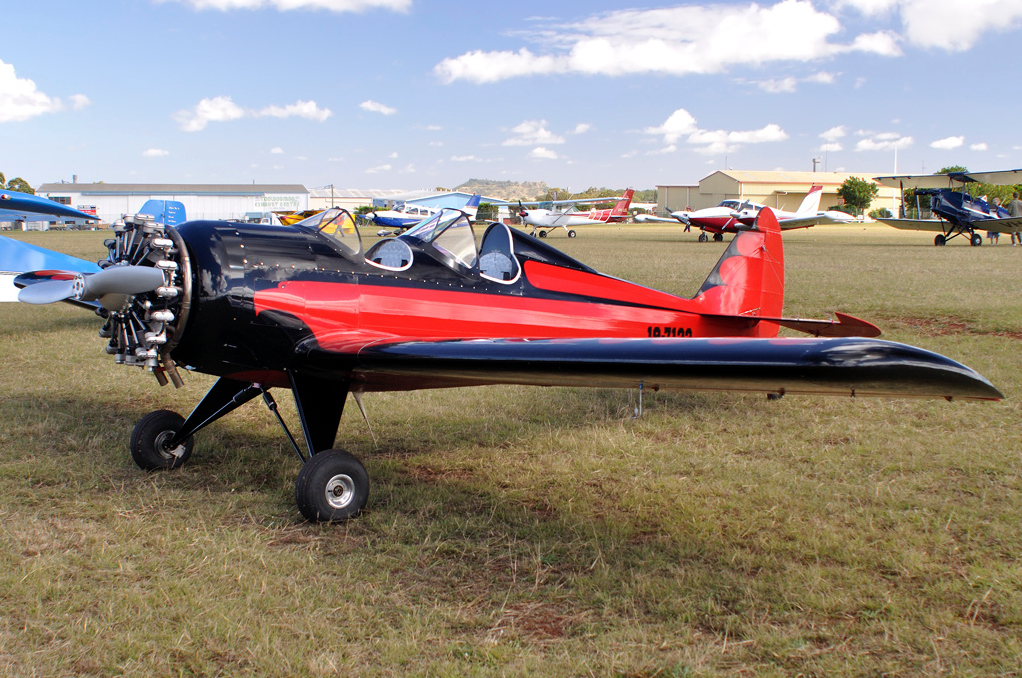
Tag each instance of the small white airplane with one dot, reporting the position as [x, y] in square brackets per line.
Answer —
[730, 215]
[407, 215]
[546, 216]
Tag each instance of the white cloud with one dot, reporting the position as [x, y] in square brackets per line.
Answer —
[377, 107]
[582, 128]
[943, 24]
[434, 128]
[682, 40]
[543, 153]
[777, 86]
[834, 133]
[464, 158]
[223, 109]
[20, 99]
[885, 141]
[154, 153]
[948, 143]
[681, 124]
[288, 5]
[832, 147]
[276, 150]
[981, 146]
[822, 78]
[378, 169]
[532, 132]
[435, 143]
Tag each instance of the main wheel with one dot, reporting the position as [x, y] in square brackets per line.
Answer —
[940, 241]
[331, 487]
[976, 240]
[718, 237]
[703, 237]
[542, 234]
[150, 438]
[571, 234]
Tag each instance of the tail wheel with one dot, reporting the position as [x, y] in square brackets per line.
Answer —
[333, 486]
[571, 234]
[150, 440]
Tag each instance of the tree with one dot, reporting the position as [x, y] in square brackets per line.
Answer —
[858, 193]
[18, 184]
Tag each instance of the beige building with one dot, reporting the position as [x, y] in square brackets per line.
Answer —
[783, 190]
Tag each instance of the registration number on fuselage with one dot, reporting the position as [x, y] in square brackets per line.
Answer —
[667, 331]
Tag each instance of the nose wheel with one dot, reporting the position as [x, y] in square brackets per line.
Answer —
[150, 441]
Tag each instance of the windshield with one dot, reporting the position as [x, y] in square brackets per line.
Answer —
[337, 225]
[450, 232]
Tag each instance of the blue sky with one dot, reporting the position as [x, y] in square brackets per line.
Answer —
[425, 93]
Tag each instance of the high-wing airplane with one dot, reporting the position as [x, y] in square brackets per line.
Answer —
[408, 215]
[305, 308]
[731, 215]
[551, 214]
[958, 213]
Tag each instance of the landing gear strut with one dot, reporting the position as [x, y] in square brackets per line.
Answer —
[332, 484]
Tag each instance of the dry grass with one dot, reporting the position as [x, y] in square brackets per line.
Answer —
[517, 531]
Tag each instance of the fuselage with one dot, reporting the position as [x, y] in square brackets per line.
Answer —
[257, 293]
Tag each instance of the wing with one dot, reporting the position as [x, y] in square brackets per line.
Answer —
[917, 224]
[915, 181]
[25, 202]
[1000, 178]
[652, 218]
[814, 220]
[846, 366]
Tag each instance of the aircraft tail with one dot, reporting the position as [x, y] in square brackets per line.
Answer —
[472, 206]
[749, 278]
[811, 204]
[166, 212]
[621, 208]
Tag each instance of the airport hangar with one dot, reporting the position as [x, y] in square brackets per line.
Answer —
[783, 190]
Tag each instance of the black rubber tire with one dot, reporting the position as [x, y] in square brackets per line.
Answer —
[976, 240]
[940, 241]
[542, 234]
[148, 439]
[571, 234]
[333, 486]
[718, 237]
[703, 237]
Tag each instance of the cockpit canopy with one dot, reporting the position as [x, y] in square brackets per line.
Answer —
[338, 226]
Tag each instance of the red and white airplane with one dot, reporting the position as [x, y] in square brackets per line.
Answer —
[730, 215]
[546, 216]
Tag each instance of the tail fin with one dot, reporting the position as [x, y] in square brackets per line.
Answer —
[621, 208]
[472, 206]
[749, 278]
[166, 212]
[811, 204]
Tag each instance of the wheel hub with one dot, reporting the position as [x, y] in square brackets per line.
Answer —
[165, 450]
[339, 491]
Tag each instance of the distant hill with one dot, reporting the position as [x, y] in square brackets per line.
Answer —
[505, 190]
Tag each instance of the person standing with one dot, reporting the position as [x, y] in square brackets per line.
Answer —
[1015, 210]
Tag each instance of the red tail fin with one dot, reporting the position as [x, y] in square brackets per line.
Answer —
[749, 278]
[621, 208]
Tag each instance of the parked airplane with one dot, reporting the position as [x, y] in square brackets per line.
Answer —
[408, 215]
[958, 213]
[304, 308]
[15, 206]
[732, 214]
[547, 215]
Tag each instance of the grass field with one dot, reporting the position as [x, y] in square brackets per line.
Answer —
[524, 531]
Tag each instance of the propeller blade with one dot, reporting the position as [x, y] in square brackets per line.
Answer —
[121, 280]
[48, 292]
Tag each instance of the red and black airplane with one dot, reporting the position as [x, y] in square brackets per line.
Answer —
[303, 307]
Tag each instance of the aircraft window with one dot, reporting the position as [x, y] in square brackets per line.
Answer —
[391, 254]
[496, 256]
[337, 225]
[733, 204]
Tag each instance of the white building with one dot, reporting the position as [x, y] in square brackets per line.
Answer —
[110, 202]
